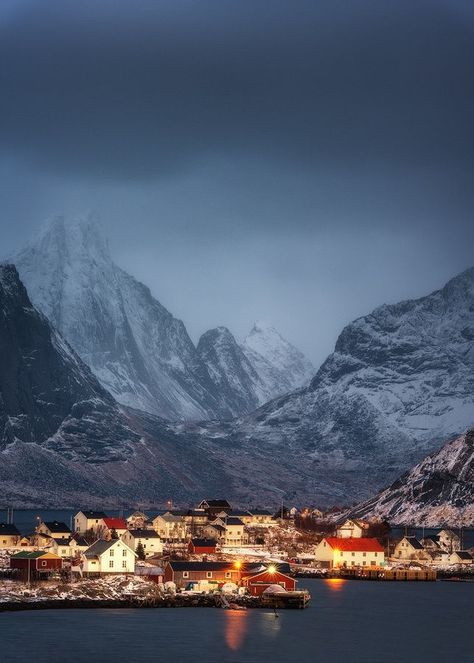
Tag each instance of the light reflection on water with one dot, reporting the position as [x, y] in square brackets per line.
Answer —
[235, 628]
[335, 584]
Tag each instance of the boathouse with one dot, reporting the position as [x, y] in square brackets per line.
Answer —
[35, 565]
[259, 582]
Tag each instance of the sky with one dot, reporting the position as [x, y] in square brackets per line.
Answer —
[296, 161]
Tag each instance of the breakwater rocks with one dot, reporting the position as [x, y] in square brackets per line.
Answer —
[172, 601]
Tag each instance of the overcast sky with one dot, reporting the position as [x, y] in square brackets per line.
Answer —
[298, 161]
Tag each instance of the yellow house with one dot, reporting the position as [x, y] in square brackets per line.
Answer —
[170, 527]
[9, 535]
[344, 552]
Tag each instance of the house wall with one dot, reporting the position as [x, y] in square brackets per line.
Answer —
[345, 558]
[151, 546]
[258, 584]
[178, 577]
[8, 540]
[117, 559]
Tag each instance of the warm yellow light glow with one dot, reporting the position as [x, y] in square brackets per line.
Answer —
[271, 568]
[238, 564]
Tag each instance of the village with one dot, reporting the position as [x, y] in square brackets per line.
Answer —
[214, 549]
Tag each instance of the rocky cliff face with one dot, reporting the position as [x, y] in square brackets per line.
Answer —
[47, 395]
[437, 491]
[134, 346]
[400, 382]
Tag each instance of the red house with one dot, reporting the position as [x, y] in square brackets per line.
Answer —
[37, 564]
[201, 546]
[259, 582]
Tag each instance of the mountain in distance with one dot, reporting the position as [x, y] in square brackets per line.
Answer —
[135, 347]
[264, 366]
[65, 441]
[399, 383]
[437, 491]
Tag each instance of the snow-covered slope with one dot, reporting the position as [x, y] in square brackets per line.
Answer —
[137, 349]
[230, 370]
[263, 367]
[281, 368]
[437, 491]
[400, 382]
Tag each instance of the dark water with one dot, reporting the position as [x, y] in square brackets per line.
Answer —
[348, 622]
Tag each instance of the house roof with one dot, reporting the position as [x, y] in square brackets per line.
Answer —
[115, 523]
[101, 546]
[9, 529]
[216, 526]
[232, 520]
[28, 555]
[171, 518]
[144, 534]
[94, 515]
[203, 543]
[56, 526]
[463, 554]
[201, 566]
[63, 541]
[413, 541]
[362, 544]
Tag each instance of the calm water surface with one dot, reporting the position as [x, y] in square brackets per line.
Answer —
[348, 621]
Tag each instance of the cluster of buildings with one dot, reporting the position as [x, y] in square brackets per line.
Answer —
[352, 547]
[98, 544]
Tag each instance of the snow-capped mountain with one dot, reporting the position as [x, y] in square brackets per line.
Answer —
[437, 491]
[47, 394]
[136, 348]
[401, 380]
[281, 368]
[263, 367]
[64, 441]
[230, 370]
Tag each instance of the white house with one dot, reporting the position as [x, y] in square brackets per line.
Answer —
[345, 552]
[104, 557]
[352, 529]
[85, 521]
[235, 534]
[170, 527]
[461, 557]
[149, 538]
[410, 549]
[67, 547]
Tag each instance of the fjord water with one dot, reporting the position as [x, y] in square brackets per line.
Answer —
[351, 621]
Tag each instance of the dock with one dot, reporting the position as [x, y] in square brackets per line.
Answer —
[286, 600]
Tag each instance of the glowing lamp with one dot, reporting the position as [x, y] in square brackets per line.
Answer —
[271, 569]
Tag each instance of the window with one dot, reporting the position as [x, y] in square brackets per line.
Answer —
[44, 562]
[342, 554]
[124, 553]
[364, 554]
[185, 574]
[228, 574]
[208, 574]
[111, 553]
[364, 563]
[353, 563]
[124, 564]
[375, 554]
[111, 564]
[353, 554]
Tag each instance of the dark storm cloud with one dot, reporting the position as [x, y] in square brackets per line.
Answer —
[131, 90]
